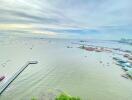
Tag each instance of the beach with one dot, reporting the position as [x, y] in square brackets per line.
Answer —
[62, 67]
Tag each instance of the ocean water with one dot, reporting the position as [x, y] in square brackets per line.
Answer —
[61, 69]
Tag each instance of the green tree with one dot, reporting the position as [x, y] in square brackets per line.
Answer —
[64, 96]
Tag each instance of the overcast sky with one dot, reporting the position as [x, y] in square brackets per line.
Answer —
[89, 19]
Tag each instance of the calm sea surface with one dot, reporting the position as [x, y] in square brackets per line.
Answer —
[61, 69]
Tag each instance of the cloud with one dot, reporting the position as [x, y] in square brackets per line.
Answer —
[23, 28]
[70, 18]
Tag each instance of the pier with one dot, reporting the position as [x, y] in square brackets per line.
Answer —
[4, 86]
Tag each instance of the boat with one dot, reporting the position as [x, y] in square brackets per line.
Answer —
[126, 68]
[1, 78]
[126, 65]
[129, 73]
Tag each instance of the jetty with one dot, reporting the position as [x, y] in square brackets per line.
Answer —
[4, 86]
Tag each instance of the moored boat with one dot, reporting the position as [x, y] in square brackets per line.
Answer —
[1, 78]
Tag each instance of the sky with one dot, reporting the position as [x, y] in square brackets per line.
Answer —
[82, 19]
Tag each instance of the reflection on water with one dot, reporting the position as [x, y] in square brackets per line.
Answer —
[73, 70]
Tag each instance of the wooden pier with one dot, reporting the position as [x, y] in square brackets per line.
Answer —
[4, 86]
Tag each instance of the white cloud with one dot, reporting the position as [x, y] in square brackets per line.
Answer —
[67, 15]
